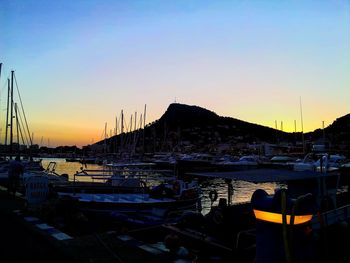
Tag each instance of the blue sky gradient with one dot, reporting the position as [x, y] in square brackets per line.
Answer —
[79, 63]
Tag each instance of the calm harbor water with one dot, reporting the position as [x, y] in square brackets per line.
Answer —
[242, 190]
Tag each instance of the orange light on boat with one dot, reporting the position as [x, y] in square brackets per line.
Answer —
[277, 218]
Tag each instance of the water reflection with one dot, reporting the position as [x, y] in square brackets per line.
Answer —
[242, 190]
[69, 168]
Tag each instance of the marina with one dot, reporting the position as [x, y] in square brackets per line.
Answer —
[174, 131]
[225, 230]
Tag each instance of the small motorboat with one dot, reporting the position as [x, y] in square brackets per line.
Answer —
[172, 196]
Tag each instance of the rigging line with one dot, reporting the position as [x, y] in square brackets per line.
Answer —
[21, 124]
[20, 131]
[19, 118]
[17, 126]
[20, 99]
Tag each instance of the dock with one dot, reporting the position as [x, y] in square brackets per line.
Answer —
[26, 238]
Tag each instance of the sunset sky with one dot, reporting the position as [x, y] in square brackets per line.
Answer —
[79, 63]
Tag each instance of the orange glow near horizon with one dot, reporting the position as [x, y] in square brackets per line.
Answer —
[249, 60]
[85, 133]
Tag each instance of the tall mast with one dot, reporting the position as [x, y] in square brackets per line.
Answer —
[17, 124]
[276, 129]
[135, 128]
[11, 112]
[144, 124]
[122, 132]
[105, 144]
[302, 126]
[130, 123]
[116, 134]
[295, 131]
[0, 96]
[135, 121]
[324, 134]
[7, 110]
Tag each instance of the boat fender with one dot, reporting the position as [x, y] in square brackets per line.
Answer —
[213, 195]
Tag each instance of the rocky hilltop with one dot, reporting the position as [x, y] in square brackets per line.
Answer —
[184, 127]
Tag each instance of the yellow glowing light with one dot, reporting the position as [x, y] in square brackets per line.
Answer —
[277, 218]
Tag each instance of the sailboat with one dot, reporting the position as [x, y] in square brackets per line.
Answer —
[17, 134]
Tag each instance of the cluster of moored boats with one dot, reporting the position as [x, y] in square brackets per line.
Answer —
[136, 198]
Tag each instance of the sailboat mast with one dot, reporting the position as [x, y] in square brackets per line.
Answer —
[0, 96]
[302, 126]
[17, 124]
[122, 132]
[7, 110]
[144, 124]
[135, 121]
[105, 143]
[116, 134]
[11, 112]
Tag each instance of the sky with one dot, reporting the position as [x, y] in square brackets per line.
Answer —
[78, 64]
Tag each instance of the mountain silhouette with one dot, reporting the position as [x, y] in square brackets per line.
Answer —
[188, 125]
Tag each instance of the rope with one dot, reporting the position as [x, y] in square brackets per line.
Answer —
[24, 115]
[20, 131]
[21, 125]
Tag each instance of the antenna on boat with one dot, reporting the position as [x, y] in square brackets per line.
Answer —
[302, 125]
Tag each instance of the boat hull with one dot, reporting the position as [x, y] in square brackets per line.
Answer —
[125, 202]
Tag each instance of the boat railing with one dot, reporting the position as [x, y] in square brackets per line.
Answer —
[51, 168]
[331, 217]
[104, 176]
